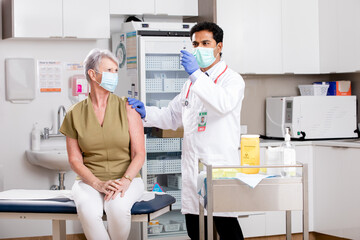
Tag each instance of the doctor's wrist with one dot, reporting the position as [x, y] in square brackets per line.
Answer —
[195, 75]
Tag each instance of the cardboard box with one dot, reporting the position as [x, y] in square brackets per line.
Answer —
[338, 88]
[156, 132]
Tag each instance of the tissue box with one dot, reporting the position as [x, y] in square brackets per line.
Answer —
[338, 88]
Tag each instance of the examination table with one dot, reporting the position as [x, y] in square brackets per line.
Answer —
[61, 209]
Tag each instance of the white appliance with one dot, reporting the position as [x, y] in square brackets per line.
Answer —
[312, 117]
[149, 55]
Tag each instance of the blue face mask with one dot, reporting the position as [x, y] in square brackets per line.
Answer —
[109, 81]
[204, 56]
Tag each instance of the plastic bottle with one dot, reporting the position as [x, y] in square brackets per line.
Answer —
[288, 156]
[250, 153]
[35, 137]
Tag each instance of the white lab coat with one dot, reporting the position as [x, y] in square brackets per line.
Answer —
[220, 141]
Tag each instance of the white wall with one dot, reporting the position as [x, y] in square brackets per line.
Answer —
[16, 122]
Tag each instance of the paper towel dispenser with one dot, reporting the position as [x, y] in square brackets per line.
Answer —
[20, 79]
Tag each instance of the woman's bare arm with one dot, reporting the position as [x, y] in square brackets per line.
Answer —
[137, 148]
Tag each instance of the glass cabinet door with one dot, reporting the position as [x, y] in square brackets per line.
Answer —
[161, 79]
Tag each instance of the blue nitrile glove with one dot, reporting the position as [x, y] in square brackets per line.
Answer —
[189, 62]
[138, 105]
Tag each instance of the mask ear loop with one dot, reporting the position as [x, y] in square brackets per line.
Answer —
[94, 76]
[218, 52]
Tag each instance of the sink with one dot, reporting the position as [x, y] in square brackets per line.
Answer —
[54, 159]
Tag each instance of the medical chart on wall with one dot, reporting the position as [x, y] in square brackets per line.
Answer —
[131, 54]
[50, 76]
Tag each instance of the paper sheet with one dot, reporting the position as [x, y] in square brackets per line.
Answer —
[24, 194]
[252, 180]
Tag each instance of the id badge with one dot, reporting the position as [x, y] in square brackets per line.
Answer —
[202, 121]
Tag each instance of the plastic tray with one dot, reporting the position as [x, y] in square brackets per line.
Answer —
[177, 195]
[163, 144]
[174, 181]
[155, 229]
[163, 166]
[166, 62]
[313, 90]
[172, 227]
[151, 180]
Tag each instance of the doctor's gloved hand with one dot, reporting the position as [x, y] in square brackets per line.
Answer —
[189, 62]
[138, 105]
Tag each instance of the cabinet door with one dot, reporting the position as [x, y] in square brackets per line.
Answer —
[134, 7]
[252, 42]
[339, 24]
[176, 7]
[327, 35]
[86, 19]
[37, 18]
[300, 38]
[348, 35]
[276, 220]
[336, 191]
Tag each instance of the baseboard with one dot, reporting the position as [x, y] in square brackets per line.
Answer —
[79, 236]
[299, 236]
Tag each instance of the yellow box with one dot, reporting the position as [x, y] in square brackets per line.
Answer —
[250, 153]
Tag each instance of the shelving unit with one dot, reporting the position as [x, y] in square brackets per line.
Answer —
[161, 79]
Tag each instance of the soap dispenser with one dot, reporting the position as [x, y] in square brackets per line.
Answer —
[288, 156]
[35, 137]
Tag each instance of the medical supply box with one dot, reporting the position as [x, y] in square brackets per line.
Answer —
[161, 133]
[338, 88]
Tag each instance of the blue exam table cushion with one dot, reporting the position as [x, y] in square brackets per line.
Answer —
[65, 205]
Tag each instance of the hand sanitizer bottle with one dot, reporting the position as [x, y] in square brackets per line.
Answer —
[35, 137]
[288, 156]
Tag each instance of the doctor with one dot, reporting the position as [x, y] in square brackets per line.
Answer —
[208, 107]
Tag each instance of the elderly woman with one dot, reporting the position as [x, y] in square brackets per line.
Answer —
[105, 145]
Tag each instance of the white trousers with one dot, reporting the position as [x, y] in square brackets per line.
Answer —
[90, 206]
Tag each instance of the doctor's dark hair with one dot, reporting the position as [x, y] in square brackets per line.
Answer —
[217, 32]
[93, 59]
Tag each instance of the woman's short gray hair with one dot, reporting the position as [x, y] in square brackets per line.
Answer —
[94, 57]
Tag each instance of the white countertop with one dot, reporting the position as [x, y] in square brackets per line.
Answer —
[350, 143]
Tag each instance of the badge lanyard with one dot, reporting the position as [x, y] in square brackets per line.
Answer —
[187, 94]
[202, 115]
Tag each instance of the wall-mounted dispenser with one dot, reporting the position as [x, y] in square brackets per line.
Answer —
[20, 78]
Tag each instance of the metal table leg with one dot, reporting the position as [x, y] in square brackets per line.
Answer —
[288, 225]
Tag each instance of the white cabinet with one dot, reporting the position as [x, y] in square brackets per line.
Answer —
[37, 18]
[337, 191]
[134, 7]
[339, 35]
[176, 7]
[86, 19]
[56, 19]
[300, 36]
[291, 36]
[252, 42]
[276, 221]
[154, 7]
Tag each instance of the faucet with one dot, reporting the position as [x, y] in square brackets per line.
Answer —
[61, 107]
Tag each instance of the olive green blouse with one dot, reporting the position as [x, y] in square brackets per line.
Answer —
[105, 148]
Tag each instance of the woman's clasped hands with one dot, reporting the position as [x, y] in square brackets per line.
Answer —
[112, 188]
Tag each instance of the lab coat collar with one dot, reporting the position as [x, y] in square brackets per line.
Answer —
[220, 66]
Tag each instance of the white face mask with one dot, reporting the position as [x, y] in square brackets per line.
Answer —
[109, 81]
[204, 56]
